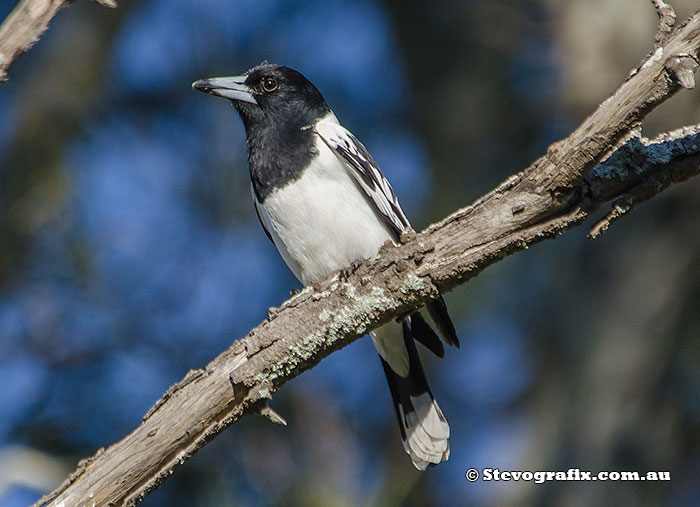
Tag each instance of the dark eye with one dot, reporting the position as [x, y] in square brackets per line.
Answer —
[269, 84]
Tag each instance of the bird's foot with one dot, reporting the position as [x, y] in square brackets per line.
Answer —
[345, 273]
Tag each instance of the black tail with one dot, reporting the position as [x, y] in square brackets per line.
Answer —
[424, 429]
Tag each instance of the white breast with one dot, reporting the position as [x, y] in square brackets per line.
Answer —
[323, 221]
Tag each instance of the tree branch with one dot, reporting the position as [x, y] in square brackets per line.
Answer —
[555, 193]
[25, 25]
[667, 20]
[670, 158]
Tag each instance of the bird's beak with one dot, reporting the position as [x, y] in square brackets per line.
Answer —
[233, 88]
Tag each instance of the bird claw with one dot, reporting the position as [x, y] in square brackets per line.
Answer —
[345, 273]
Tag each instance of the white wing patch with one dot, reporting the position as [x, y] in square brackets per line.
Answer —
[364, 170]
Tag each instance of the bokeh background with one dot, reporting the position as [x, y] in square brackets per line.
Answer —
[130, 252]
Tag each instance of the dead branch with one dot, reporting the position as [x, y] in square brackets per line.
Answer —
[25, 25]
[667, 20]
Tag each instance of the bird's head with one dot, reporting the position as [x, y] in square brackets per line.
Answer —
[269, 95]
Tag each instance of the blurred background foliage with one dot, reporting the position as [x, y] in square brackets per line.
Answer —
[130, 252]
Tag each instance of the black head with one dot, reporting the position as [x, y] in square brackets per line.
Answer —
[269, 94]
[277, 105]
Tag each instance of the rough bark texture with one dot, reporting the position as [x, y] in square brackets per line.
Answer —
[25, 25]
[555, 193]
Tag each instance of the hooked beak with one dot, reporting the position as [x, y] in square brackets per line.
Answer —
[233, 88]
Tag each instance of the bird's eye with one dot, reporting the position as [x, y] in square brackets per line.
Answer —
[269, 84]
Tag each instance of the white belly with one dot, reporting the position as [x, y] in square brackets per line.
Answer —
[322, 222]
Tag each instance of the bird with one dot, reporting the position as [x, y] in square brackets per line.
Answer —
[324, 203]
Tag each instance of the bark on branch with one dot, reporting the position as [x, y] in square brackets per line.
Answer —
[555, 193]
[25, 25]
